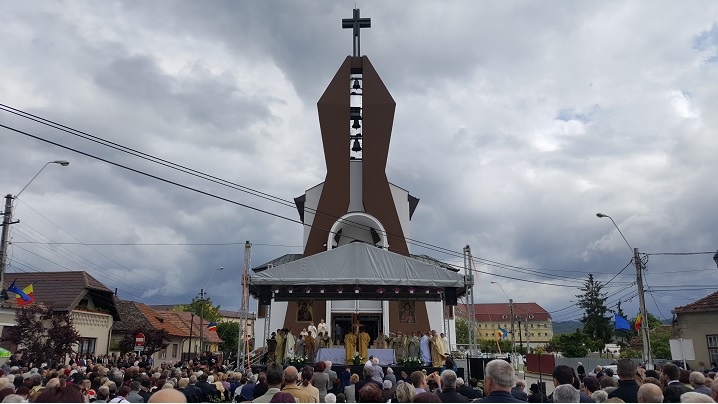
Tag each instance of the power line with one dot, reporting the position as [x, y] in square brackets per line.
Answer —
[220, 181]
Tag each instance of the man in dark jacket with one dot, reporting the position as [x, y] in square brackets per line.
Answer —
[448, 388]
[208, 390]
[498, 382]
[191, 391]
[465, 390]
[519, 392]
[563, 374]
[627, 387]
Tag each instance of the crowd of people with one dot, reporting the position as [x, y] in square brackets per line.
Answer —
[629, 383]
[133, 379]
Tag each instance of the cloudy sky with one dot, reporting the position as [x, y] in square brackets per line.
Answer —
[516, 123]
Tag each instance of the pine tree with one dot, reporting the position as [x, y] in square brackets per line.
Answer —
[596, 325]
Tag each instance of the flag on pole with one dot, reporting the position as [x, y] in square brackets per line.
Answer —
[502, 333]
[212, 326]
[24, 296]
[639, 320]
[621, 323]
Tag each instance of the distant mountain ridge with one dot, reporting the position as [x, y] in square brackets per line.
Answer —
[566, 327]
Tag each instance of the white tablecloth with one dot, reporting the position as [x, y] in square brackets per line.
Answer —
[338, 355]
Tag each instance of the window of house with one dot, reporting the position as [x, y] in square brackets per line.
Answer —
[545, 334]
[712, 347]
[175, 350]
[163, 354]
[86, 346]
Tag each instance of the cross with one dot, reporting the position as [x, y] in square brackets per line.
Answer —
[356, 24]
[355, 323]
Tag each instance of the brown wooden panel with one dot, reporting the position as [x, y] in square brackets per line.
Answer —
[333, 109]
[378, 118]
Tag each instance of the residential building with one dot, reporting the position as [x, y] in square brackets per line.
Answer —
[91, 304]
[138, 317]
[533, 325]
[697, 321]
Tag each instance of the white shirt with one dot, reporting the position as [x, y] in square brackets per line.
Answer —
[323, 328]
[312, 331]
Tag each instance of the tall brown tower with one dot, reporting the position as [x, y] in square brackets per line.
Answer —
[356, 115]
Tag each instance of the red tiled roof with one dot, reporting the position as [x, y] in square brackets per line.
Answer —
[708, 303]
[183, 320]
[140, 315]
[488, 312]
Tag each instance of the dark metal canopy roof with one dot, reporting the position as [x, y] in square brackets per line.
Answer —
[358, 271]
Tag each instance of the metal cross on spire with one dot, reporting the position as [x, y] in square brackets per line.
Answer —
[356, 24]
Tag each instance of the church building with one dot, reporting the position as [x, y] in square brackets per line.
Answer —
[357, 269]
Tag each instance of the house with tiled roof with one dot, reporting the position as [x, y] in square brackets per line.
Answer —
[193, 329]
[697, 321]
[140, 317]
[533, 325]
[92, 306]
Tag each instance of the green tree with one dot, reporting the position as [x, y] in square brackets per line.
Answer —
[462, 331]
[596, 325]
[660, 345]
[228, 331]
[210, 313]
[574, 345]
[47, 335]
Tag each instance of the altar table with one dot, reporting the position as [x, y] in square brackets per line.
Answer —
[337, 355]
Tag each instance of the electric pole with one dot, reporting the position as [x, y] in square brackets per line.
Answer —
[6, 222]
[641, 301]
[513, 336]
[201, 320]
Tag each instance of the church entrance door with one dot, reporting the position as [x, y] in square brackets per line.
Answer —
[369, 322]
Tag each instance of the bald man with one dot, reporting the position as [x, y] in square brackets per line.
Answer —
[650, 393]
[167, 396]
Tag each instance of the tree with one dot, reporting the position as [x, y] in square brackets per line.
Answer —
[462, 331]
[155, 340]
[45, 334]
[210, 313]
[596, 325]
[574, 345]
[229, 332]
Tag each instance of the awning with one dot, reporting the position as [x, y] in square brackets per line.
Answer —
[358, 271]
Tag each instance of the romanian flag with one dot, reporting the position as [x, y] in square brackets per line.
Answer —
[24, 296]
[212, 326]
[639, 320]
[502, 333]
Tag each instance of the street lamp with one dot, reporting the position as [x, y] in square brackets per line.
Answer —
[201, 314]
[63, 163]
[601, 215]
[511, 311]
[7, 221]
[641, 300]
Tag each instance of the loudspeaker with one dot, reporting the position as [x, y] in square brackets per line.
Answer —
[265, 295]
[450, 294]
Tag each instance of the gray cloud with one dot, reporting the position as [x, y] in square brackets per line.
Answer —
[516, 122]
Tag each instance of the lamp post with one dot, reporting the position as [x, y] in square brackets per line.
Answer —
[201, 309]
[511, 311]
[641, 301]
[7, 221]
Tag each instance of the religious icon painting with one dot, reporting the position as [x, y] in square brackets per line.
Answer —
[304, 311]
[407, 310]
